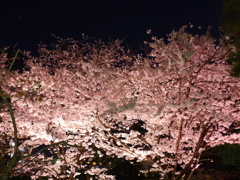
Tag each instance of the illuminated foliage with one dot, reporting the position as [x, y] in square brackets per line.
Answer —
[165, 109]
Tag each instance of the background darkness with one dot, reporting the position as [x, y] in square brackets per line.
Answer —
[27, 23]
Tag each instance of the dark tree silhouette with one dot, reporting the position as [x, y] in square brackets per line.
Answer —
[230, 19]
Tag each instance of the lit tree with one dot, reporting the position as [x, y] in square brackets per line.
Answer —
[166, 109]
[22, 90]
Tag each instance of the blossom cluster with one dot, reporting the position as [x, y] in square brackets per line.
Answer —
[93, 93]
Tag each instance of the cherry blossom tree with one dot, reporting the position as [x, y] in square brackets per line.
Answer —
[21, 90]
[166, 109]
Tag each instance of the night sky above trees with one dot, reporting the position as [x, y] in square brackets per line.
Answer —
[27, 23]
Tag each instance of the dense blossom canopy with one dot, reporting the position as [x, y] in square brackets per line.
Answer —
[88, 94]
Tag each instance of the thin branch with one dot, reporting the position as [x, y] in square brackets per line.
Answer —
[177, 145]
[115, 137]
[43, 149]
[9, 69]
[219, 82]
[196, 152]
[16, 155]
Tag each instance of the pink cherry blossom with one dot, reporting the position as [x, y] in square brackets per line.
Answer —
[86, 94]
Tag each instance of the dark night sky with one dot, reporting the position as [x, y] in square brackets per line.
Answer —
[29, 22]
